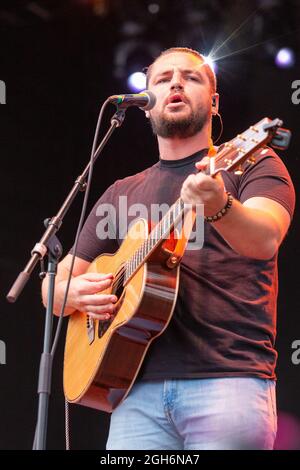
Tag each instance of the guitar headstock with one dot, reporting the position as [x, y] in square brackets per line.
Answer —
[232, 154]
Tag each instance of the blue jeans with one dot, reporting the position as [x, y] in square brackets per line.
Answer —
[196, 414]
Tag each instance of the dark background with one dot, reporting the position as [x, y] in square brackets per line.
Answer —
[60, 60]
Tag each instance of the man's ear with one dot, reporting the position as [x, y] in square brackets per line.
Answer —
[147, 114]
[215, 103]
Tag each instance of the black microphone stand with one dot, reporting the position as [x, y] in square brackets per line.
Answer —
[50, 245]
[54, 252]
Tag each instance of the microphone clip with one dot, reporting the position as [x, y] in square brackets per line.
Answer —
[118, 117]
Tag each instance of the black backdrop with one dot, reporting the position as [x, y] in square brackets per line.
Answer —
[57, 74]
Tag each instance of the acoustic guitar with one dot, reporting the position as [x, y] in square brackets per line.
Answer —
[103, 358]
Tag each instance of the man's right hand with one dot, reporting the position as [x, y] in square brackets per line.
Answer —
[84, 295]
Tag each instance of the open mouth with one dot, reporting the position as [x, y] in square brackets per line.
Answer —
[176, 98]
[175, 101]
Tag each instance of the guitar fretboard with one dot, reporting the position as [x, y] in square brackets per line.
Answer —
[159, 232]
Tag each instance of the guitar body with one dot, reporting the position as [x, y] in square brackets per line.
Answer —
[100, 373]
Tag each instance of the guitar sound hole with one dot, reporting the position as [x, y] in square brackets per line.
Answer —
[117, 287]
[103, 327]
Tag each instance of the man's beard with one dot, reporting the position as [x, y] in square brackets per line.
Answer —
[180, 127]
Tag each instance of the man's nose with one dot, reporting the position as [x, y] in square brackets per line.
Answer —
[176, 82]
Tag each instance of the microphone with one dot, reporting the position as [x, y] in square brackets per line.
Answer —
[145, 100]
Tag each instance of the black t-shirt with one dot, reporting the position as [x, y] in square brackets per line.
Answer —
[224, 321]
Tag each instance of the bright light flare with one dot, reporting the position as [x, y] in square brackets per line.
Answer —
[137, 81]
[211, 63]
[285, 58]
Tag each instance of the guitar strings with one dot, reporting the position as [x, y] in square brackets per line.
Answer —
[119, 279]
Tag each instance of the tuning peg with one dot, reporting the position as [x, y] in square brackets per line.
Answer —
[239, 170]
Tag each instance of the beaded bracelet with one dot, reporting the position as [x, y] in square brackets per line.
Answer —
[222, 212]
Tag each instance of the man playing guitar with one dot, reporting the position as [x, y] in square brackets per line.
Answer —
[208, 380]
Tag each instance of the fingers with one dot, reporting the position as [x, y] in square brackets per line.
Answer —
[103, 312]
[197, 183]
[204, 182]
[202, 189]
[97, 300]
[100, 316]
[101, 309]
[85, 293]
[219, 178]
[96, 276]
[92, 287]
[97, 304]
[202, 164]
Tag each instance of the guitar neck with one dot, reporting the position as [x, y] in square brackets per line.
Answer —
[161, 231]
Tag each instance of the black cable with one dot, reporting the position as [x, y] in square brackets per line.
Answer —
[222, 127]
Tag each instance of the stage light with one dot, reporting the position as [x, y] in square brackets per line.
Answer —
[211, 63]
[130, 58]
[137, 81]
[285, 58]
[153, 8]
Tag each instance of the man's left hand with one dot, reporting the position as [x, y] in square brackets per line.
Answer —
[203, 189]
